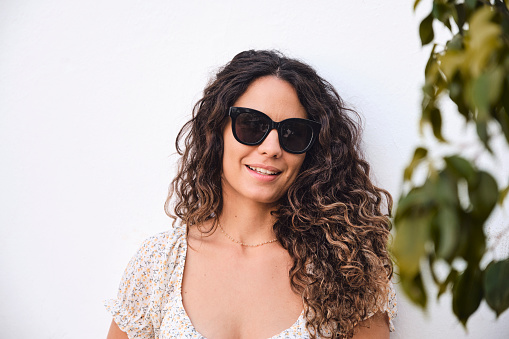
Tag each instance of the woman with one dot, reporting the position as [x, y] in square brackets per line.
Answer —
[278, 231]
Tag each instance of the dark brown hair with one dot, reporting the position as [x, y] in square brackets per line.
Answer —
[333, 221]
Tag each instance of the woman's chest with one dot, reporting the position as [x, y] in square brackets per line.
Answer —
[227, 297]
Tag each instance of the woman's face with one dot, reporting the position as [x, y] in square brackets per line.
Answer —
[262, 173]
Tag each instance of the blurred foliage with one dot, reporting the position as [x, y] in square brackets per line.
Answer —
[440, 221]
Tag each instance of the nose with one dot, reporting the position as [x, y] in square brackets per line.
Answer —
[270, 146]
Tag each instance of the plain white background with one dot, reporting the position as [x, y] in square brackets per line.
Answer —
[92, 94]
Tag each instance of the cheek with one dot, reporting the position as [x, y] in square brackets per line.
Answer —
[233, 152]
[298, 161]
[295, 163]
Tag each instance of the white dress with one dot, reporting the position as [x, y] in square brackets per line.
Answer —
[149, 301]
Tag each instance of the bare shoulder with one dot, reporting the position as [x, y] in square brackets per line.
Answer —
[375, 327]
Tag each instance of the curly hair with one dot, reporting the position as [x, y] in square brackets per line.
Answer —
[333, 221]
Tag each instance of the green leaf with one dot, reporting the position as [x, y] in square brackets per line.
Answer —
[486, 90]
[503, 114]
[496, 285]
[414, 289]
[484, 40]
[409, 243]
[426, 30]
[436, 123]
[460, 167]
[495, 79]
[482, 131]
[451, 61]
[502, 195]
[445, 189]
[471, 3]
[456, 89]
[432, 60]
[429, 91]
[456, 43]
[416, 202]
[472, 240]
[483, 194]
[448, 228]
[459, 15]
[416, 3]
[467, 293]
[442, 12]
[419, 154]
[453, 275]
[503, 119]
[480, 93]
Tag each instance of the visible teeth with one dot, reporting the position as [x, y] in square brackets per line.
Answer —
[262, 170]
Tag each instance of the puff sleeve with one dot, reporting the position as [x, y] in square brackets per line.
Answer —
[137, 308]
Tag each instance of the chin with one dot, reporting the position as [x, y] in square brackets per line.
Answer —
[267, 200]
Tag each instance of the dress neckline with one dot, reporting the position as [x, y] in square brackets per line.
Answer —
[180, 303]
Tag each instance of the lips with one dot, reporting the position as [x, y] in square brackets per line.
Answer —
[264, 171]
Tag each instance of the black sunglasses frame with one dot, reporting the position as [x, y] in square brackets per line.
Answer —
[234, 112]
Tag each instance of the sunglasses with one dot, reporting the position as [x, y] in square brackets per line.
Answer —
[251, 127]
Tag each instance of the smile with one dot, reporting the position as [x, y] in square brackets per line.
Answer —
[262, 170]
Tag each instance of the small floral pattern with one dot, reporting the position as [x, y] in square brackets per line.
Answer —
[149, 302]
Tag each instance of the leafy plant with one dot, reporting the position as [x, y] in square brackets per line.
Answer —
[441, 215]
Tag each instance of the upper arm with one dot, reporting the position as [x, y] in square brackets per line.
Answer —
[375, 327]
[115, 332]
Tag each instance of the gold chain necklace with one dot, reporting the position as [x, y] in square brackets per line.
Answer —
[240, 242]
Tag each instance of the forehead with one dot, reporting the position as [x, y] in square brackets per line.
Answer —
[274, 97]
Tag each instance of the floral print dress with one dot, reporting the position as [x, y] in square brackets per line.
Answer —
[149, 301]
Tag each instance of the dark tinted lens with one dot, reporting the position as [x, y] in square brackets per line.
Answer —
[296, 135]
[251, 127]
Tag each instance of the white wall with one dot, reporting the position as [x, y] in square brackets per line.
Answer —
[92, 94]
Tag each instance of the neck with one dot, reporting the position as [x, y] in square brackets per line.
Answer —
[247, 221]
